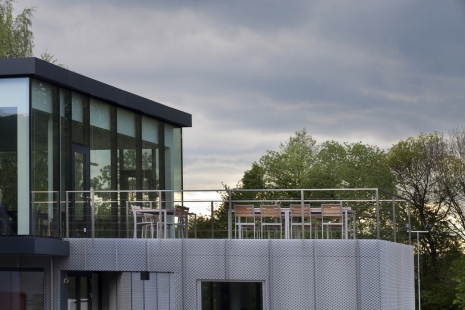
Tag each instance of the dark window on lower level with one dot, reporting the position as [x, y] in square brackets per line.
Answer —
[21, 289]
[232, 295]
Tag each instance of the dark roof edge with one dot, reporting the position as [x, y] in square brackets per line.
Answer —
[28, 245]
[16, 67]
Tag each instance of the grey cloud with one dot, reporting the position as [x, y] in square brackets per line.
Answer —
[254, 72]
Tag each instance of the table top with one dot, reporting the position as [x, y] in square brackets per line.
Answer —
[166, 211]
[312, 210]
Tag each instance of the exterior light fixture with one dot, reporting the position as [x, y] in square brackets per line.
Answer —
[145, 275]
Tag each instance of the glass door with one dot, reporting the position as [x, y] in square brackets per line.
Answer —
[83, 291]
[80, 209]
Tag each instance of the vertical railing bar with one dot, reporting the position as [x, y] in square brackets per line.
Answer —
[394, 218]
[377, 215]
[67, 214]
[409, 224]
[92, 214]
[212, 219]
[33, 226]
[302, 214]
[127, 220]
[229, 215]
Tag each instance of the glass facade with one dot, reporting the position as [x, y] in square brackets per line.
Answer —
[14, 156]
[58, 141]
[22, 289]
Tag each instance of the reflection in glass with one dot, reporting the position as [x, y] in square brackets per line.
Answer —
[231, 295]
[150, 156]
[22, 290]
[127, 157]
[80, 117]
[173, 161]
[14, 156]
[8, 171]
[100, 166]
[44, 157]
[80, 204]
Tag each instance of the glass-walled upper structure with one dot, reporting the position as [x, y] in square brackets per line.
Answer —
[64, 133]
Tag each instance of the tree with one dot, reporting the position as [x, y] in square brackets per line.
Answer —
[458, 271]
[16, 37]
[289, 167]
[301, 163]
[421, 167]
[427, 173]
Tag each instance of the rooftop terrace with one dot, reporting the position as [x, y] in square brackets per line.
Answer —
[367, 213]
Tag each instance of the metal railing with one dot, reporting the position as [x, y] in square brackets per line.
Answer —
[106, 214]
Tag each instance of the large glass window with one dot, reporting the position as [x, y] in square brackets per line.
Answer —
[80, 119]
[150, 156]
[128, 160]
[173, 161]
[14, 156]
[128, 151]
[21, 290]
[101, 170]
[45, 158]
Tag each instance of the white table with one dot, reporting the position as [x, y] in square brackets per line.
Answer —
[285, 213]
[163, 212]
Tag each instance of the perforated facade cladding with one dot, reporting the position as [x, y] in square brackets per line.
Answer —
[296, 274]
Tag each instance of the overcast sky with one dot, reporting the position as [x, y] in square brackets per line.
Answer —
[252, 73]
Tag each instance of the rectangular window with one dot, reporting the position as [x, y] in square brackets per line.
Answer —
[150, 156]
[21, 290]
[101, 170]
[173, 162]
[231, 295]
[45, 161]
[14, 156]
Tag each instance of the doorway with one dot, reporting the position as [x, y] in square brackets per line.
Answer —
[80, 208]
[83, 291]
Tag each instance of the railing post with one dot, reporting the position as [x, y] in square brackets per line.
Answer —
[33, 222]
[212, 220]
[229, 216]
[302, 216]
[92, 215]
[377, 215]
[409, 224]
[67, 215]
[394, 218]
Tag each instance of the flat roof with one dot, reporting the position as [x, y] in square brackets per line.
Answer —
[37, 68]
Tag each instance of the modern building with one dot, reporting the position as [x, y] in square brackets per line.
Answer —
[75, 153]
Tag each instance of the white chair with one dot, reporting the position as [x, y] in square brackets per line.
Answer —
[142, 220]
[301, 217]
[245, 220]
[180, 221]
[273, 214]
[335, 218]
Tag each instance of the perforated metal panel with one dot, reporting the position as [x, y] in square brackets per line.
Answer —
[370, 274]
[335, 275]
[296, 274]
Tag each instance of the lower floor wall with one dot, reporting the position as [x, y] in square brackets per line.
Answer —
[294, 274]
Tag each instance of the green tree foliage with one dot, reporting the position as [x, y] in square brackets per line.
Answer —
[458, 270]
[289, 167]
[16, 38]
[429, 171]
[301, 163]
[421, 166]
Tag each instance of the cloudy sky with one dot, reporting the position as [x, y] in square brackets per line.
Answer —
[252, 73]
